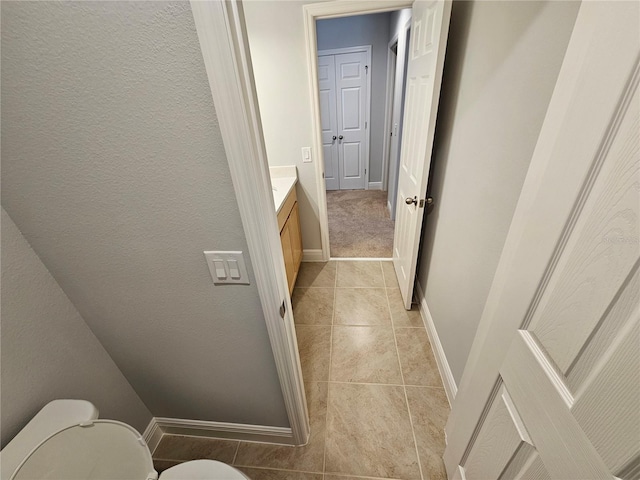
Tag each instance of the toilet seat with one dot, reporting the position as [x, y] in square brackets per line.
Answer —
[98, 449]
[202, 470]
[108, 450]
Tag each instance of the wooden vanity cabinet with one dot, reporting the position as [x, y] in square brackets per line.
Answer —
[290, 237]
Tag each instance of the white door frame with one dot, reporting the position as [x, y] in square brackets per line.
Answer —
[599, 58]
[366, 49]
[388, 110]
[313, 12]
[399, 83]
[225, 48]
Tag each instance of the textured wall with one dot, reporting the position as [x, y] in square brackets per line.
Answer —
[114, 170]
[353, 32]
[48, 351]
[502, 63]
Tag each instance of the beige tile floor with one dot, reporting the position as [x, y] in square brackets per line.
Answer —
[376, 402]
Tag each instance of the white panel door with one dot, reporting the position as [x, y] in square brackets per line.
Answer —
[329, 119]
[566, 398]
[429, 29]
[351, 86]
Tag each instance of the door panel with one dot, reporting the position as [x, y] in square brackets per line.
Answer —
[597, 266]
[352, 154]
[532, 469]
[503, 438]
[429, 29]
[351, 85]
[329, 120]
[351, 105]
[573, 365]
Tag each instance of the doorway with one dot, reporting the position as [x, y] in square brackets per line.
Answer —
[360, 90]
[430, 26]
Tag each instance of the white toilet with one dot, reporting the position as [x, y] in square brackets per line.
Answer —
[66, 440]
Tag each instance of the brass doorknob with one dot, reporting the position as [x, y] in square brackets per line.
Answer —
[410, 200]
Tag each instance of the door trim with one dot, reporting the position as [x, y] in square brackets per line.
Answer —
[392, 190]
[313, 12]
[366, 49]
[552, 197]
[388, 110]
[225, 48]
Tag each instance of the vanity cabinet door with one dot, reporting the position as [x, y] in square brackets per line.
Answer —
[287, 251]
[296, 238]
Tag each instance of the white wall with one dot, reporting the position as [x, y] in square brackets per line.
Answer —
[501, 66]
[276, 39]
[114, 170]
[356, 31]
[48, 351]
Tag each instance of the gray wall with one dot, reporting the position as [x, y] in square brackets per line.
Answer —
[48, 351]
[353, 32]
[114, 171]
[502, 62]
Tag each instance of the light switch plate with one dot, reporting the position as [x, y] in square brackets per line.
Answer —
[227, 267]
[306, 154]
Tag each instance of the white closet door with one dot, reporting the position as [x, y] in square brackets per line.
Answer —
[351, 85]
[329, 119]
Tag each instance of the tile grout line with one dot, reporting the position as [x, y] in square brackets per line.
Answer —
[235, 455]
[404, 387]
[272, 469]
[326, 417]
[336, 474]
[383, 384]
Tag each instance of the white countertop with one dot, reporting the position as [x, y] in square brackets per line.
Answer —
[283, 180]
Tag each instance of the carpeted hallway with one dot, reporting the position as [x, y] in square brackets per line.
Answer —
[359, 224]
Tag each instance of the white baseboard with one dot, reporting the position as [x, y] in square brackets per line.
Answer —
[160, 426]
[312, 255]
[448, 381]
[375, 185]
[152, 435]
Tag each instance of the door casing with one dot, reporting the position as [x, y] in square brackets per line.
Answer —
[319, 11]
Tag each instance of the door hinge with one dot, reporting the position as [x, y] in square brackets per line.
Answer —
[365, 171]
[366, 69]
[322, 174]
[365, 125]
[283, 309]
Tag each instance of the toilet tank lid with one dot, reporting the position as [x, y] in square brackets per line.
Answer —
[54, 416]
[94, 450]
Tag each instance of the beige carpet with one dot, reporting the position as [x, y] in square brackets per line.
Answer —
[359, 224]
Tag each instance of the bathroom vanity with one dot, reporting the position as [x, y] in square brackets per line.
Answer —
[283, 181]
